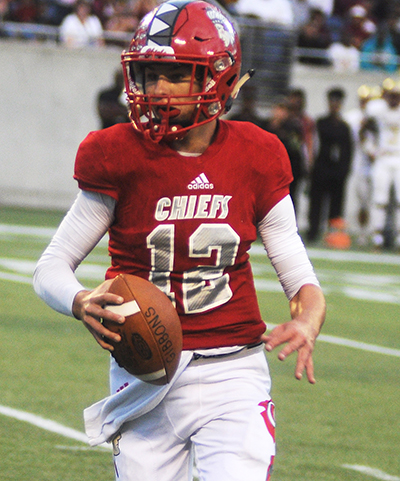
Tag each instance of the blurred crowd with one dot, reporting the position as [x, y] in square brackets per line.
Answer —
[119, 14]
[348, 34]
[354, 34]
[81, 22]
[339, 160]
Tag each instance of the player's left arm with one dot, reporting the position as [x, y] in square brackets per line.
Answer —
[287, 253]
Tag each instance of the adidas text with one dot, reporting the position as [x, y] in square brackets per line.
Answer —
[200, 186]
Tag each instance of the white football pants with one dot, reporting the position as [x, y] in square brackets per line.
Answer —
[385, 172]
[219, 412]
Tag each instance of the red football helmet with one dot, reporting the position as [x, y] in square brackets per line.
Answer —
[183, 32]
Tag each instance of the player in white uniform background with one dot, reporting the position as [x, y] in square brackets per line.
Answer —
[137, 182]
[385, 173]
[359, 187]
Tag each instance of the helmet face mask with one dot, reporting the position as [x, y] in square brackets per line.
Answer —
[197, 38]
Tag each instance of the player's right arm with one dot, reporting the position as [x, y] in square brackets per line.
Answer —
[54, 278]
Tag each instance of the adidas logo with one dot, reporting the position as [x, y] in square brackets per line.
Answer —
[200, 183]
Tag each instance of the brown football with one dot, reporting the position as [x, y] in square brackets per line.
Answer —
[151, 336]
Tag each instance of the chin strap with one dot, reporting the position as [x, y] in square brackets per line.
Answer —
[236, 89]
[247, 76]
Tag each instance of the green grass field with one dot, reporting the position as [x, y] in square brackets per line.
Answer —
[346, 427]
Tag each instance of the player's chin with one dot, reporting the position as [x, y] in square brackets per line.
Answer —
[181, 123]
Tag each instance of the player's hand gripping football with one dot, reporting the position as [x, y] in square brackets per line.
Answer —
[308, 314]
[89, 307]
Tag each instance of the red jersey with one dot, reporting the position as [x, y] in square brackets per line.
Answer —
[186, 223]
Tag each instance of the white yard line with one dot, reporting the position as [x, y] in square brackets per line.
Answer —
[28, 230]
[43, 423]
[46, 424]
[375, 473]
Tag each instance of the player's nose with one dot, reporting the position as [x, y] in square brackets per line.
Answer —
[162, 86]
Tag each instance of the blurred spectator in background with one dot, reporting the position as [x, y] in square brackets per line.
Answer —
[344, 55]
[378, 51]
[26, 11]
[103, 9]
[126, 16]
[121, 19]
[325, 6]
[269, 11]
[4, 10]
[289, 131]
[4, 16]
[336, 18]
[301, 13]
[81, 28]
[341, 7]
[143, 7]
[229, 6]
[248, 107]
[381, 10]
[296, 102]
[57, 10]
[393, 23]
[329, 174]
[315, 35]
[358, 26]
[111, 106]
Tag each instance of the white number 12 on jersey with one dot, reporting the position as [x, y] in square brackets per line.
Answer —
[205, 286]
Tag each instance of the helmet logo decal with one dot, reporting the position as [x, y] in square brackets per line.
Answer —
[158, 49]
[158, 26]
[223, 26]
[162, 25]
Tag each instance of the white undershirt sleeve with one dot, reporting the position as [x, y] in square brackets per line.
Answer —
[81, 229]
[285, 248]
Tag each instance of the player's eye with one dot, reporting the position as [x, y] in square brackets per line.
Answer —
[177, 77]
[151, 76]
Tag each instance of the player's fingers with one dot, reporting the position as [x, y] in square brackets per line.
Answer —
[279, 335]
[295, 344]
[109, 298]
[102, 342]
[100, 311]
[310, 371]
[305, 362]
[100, 332]
[91, 303]
[99, 339]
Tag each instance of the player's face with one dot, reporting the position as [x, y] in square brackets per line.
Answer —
[162, 81]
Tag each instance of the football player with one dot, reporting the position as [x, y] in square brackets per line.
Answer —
[183, 195]
[384, 114]
[364, 148]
